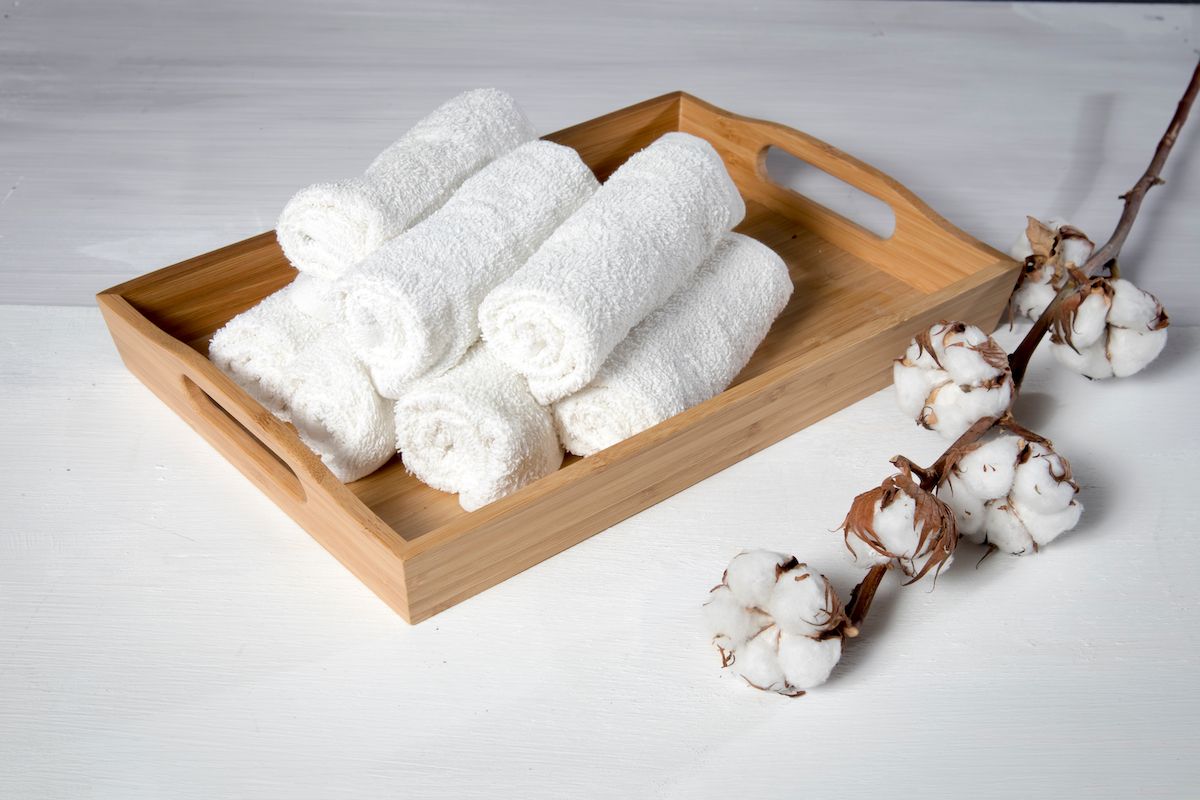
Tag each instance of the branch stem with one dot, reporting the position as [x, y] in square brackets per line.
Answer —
[861, 597]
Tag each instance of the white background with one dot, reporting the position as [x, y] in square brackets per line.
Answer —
[165, 631]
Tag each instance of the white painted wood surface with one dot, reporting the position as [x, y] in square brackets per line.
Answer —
[166, 632]
[137, 133]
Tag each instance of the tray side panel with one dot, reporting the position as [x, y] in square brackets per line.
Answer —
[215, 408]
[193, 298]
[597, 492]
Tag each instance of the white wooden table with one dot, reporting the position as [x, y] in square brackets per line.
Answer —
[166, 632]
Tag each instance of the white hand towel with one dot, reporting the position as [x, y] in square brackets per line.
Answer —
[639, 238]
[327, 227]
[477, 431]
[298, 367]
[319, 298]
[412, 307]
[685, 352]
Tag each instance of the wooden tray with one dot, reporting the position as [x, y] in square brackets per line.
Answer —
[858, 300]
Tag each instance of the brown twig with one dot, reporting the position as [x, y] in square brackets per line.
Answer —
[860, 599]
[1109, 251]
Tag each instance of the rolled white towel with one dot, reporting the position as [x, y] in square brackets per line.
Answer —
[298, 367]
[476, 430]
[337, 411]
[327, 227]
[637, 240]
[685, 352]
[412, 307]
[257, 347]
[319, 298]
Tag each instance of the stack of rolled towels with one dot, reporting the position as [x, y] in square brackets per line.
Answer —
[478, 302]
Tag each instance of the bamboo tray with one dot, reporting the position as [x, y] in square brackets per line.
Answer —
[859, 298]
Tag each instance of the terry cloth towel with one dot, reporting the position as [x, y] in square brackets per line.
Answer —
[327, 227]
[319, 298]
[412, 307]
[298, 367]
[639, 238]
[476, 430]
[685, 352]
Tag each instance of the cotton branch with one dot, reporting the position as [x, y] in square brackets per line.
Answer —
[1106, 255]
[1109, 251]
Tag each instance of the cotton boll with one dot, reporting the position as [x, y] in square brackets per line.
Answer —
[1091, 361]
[896, 528]
[952, 409]
[730, 622]
[1042, 483]
[807, 662]
[750, 631]
[800, 603]
[1031, 298]
[1075, 250]
[987, 471]
[1131, 307]
[1050, 252]
[1045, 528]
[864, 556]
[1130, 351]
[1022, 249]
[1090, 320]
[968, 509]
[959, 353]
[900, 523]
[951, 376]
[918, 356]
[1133, 335]
[751, 576]
[913, 385]
[757, 661]
[1005, 531]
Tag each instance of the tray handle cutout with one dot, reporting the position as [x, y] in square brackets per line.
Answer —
[923, 250]
[835, 194]
[273, 468]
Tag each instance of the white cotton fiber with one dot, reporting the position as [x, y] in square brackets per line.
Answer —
[731, 622]
[1042, 482]
[757, 661]
[328, 227]
[1130, 351]
[476, 431]
[412, 306]
[987, 471]
[806, 662]
[1045, 528]
[969, 511]
[685, 352]
[1131, 307]
[630, 247]
[1090, 320]
[958, 351]
[799, 603]
[751, 576]
[914, 385]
